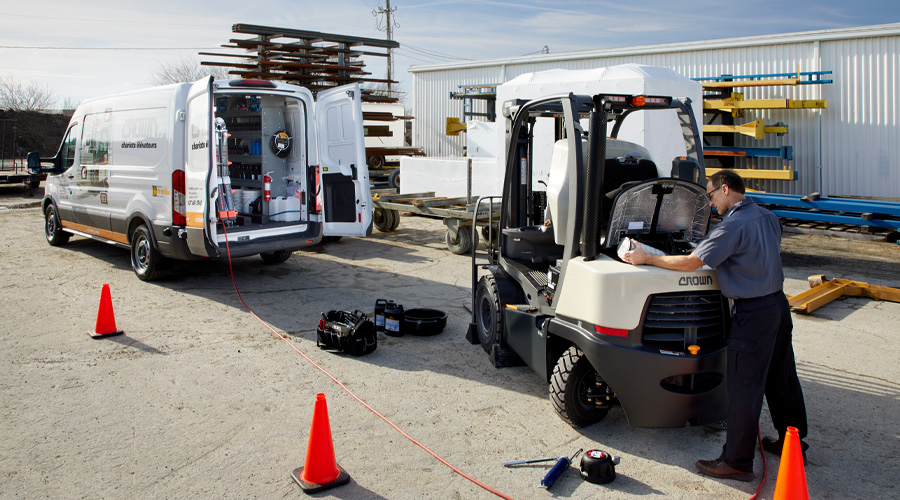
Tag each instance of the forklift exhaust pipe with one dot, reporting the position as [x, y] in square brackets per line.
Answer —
[595, 170]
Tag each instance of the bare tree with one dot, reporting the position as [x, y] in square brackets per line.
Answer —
[16, 95]
[185, 69]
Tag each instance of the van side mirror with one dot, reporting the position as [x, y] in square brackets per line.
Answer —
[33, 163]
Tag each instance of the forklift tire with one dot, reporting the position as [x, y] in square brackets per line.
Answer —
[148, 264]
[465, 238]
[572, 377]
[53, 229]
[275, 257]
[383, 219]
[488, 317]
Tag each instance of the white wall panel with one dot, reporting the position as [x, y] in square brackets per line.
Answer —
[849, 149]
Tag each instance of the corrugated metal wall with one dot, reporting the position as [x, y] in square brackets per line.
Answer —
[849, 149]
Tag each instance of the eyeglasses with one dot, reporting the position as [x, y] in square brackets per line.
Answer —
[709, 194]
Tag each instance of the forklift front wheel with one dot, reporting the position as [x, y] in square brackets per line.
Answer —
[488, 319]
[575, 390]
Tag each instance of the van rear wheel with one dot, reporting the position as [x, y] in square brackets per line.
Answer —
[146, 261]
[275, 257]
[53, 228]
[575, 389]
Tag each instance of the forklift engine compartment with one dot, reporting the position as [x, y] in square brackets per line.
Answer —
[557, 297]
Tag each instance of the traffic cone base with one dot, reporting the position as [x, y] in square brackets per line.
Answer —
[320, 471]
[106, 319]
[311, 488]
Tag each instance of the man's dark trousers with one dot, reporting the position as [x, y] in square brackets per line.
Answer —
[760, 362]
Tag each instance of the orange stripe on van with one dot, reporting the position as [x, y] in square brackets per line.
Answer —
[102, 233]
[194, 219]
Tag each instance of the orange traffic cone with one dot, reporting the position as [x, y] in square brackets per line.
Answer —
[320, 472]
[106, 320]
[791, 484]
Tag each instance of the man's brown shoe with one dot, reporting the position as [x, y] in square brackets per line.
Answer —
[721, 470]
[775, 446]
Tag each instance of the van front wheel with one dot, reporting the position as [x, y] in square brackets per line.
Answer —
[53, 229]
[146, 261]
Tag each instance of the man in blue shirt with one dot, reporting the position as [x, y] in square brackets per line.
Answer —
[744, 251]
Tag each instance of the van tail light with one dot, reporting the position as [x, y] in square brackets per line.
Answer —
[318, 188]
[179, 212]
[612, 332]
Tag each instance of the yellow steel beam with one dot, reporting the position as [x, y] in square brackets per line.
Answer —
[454, 126]
[829, 290]
[751, 83]
[755, 129]
[758, 173]
[731, 103]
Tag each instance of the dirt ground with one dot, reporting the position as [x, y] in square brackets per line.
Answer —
[198, 399]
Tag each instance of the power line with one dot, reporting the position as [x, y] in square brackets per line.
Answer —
[104, 48]
[432, 53]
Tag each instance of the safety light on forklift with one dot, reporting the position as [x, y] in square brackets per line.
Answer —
[251, 83]
[612, 332]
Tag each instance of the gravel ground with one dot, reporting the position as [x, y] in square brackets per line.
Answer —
[198, 399]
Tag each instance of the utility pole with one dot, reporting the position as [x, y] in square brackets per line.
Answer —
[389, 28]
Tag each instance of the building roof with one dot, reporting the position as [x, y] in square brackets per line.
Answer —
[745, 41]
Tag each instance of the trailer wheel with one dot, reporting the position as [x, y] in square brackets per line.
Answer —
[394, 179]
[146, 261]
[384, 219]
[465, 238]
[53, 229]
[574, 380]
[375, 162]
[490, 237]
[275, 257]
[488, 318]
[396, 223]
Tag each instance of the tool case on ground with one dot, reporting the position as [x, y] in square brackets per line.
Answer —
[348, 332]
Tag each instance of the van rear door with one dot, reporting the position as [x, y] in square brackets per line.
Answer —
[345, 197]
[198, 163]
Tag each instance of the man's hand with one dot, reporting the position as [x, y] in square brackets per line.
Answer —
[636, 256]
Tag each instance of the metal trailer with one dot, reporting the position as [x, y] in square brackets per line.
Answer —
[20, 175]
[458, 214]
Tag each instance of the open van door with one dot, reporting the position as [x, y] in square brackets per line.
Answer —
[344, 194]
[197, 168]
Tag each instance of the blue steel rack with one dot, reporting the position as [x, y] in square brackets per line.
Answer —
[884, 214]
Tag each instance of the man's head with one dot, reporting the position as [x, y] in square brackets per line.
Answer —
[724, 189]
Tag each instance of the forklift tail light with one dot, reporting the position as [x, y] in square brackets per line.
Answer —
[612, 332]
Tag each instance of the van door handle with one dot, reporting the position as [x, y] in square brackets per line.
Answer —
[71, 177]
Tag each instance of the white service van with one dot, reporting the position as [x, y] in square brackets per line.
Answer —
[210, 168]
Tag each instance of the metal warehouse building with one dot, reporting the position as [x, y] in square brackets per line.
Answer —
[848, 149]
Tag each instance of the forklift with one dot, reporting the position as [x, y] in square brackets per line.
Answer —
[554, 293]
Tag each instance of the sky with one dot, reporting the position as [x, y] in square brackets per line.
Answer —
[95, 47]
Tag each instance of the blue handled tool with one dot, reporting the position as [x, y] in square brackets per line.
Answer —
[561, 465]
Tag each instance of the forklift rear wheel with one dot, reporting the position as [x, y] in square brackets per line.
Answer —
[465, 238]
[53, 229]
[573, 380]
[488, 319]
[146, 261]
[275, 257]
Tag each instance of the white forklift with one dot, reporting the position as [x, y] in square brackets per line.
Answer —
[554, 293]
